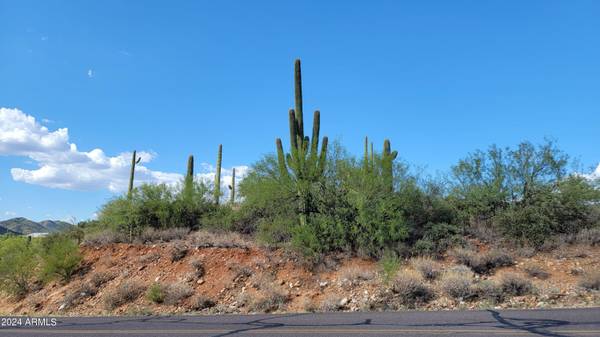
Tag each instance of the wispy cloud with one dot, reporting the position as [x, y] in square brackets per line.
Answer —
[90, 73]
[10, 213]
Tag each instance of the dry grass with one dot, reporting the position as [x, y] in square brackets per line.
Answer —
[537, 272]
[428, 268]
[205, 238]
[105, 237]
[590, 280]
[151, 235]
[269, 302]
[490, 291]
[178, 253]
[149, 258]
[201, 302]
[126, 292]
[198, 268]
[100, 278]
[355, 274]
[331, 303]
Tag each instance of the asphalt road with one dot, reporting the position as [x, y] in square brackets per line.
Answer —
[555, 322]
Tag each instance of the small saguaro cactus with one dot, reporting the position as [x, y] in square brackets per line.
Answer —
[232, 187]
[188, 183]
[304, 164]
[387, 167]
[217, 191]
[190, 167]
[134, 161]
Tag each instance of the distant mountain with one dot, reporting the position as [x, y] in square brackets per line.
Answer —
[26, 226]
[6, 231]
[55, 226]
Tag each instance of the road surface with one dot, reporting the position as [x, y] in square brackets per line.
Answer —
[552, 322]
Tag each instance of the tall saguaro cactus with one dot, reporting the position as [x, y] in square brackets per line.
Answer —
[304, 164]
[134, 161]
[232, 187]
[217, 191]
[387, 158]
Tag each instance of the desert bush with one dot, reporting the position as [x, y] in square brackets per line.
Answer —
[515, 284]
[428, 268]
[198, 268]
[537, 272]
[411, 288]
[17, 265]
[176, 292]
[76, 296]
[126, 292]
[490, 291]
[99, 278]
[389, 265]
[330, 303]
[590, 280]
[437, 239]
[60, 257]
[269, 302]
[178, 253]
[457, 285]
[201, 302]
[483, 263]
[149, 258]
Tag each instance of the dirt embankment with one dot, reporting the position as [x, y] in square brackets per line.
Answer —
[117, 279]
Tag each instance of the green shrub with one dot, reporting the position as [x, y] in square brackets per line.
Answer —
[389, 266]
[437, 239]
[18, 264]
[156, 293]
[60, 257]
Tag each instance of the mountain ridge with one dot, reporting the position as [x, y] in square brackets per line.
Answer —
[24, 226]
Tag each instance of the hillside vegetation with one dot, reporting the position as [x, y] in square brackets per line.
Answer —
[314, 201]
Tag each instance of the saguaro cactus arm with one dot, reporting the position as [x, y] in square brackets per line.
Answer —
[232, 187]
[134, 161]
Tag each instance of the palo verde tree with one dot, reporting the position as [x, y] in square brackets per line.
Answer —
[304, 165]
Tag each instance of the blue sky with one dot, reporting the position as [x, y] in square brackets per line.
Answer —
[439, 78]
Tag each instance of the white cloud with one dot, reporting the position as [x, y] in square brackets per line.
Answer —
[594, 175]
[90, 73]
[10, 213]
[61, 165]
